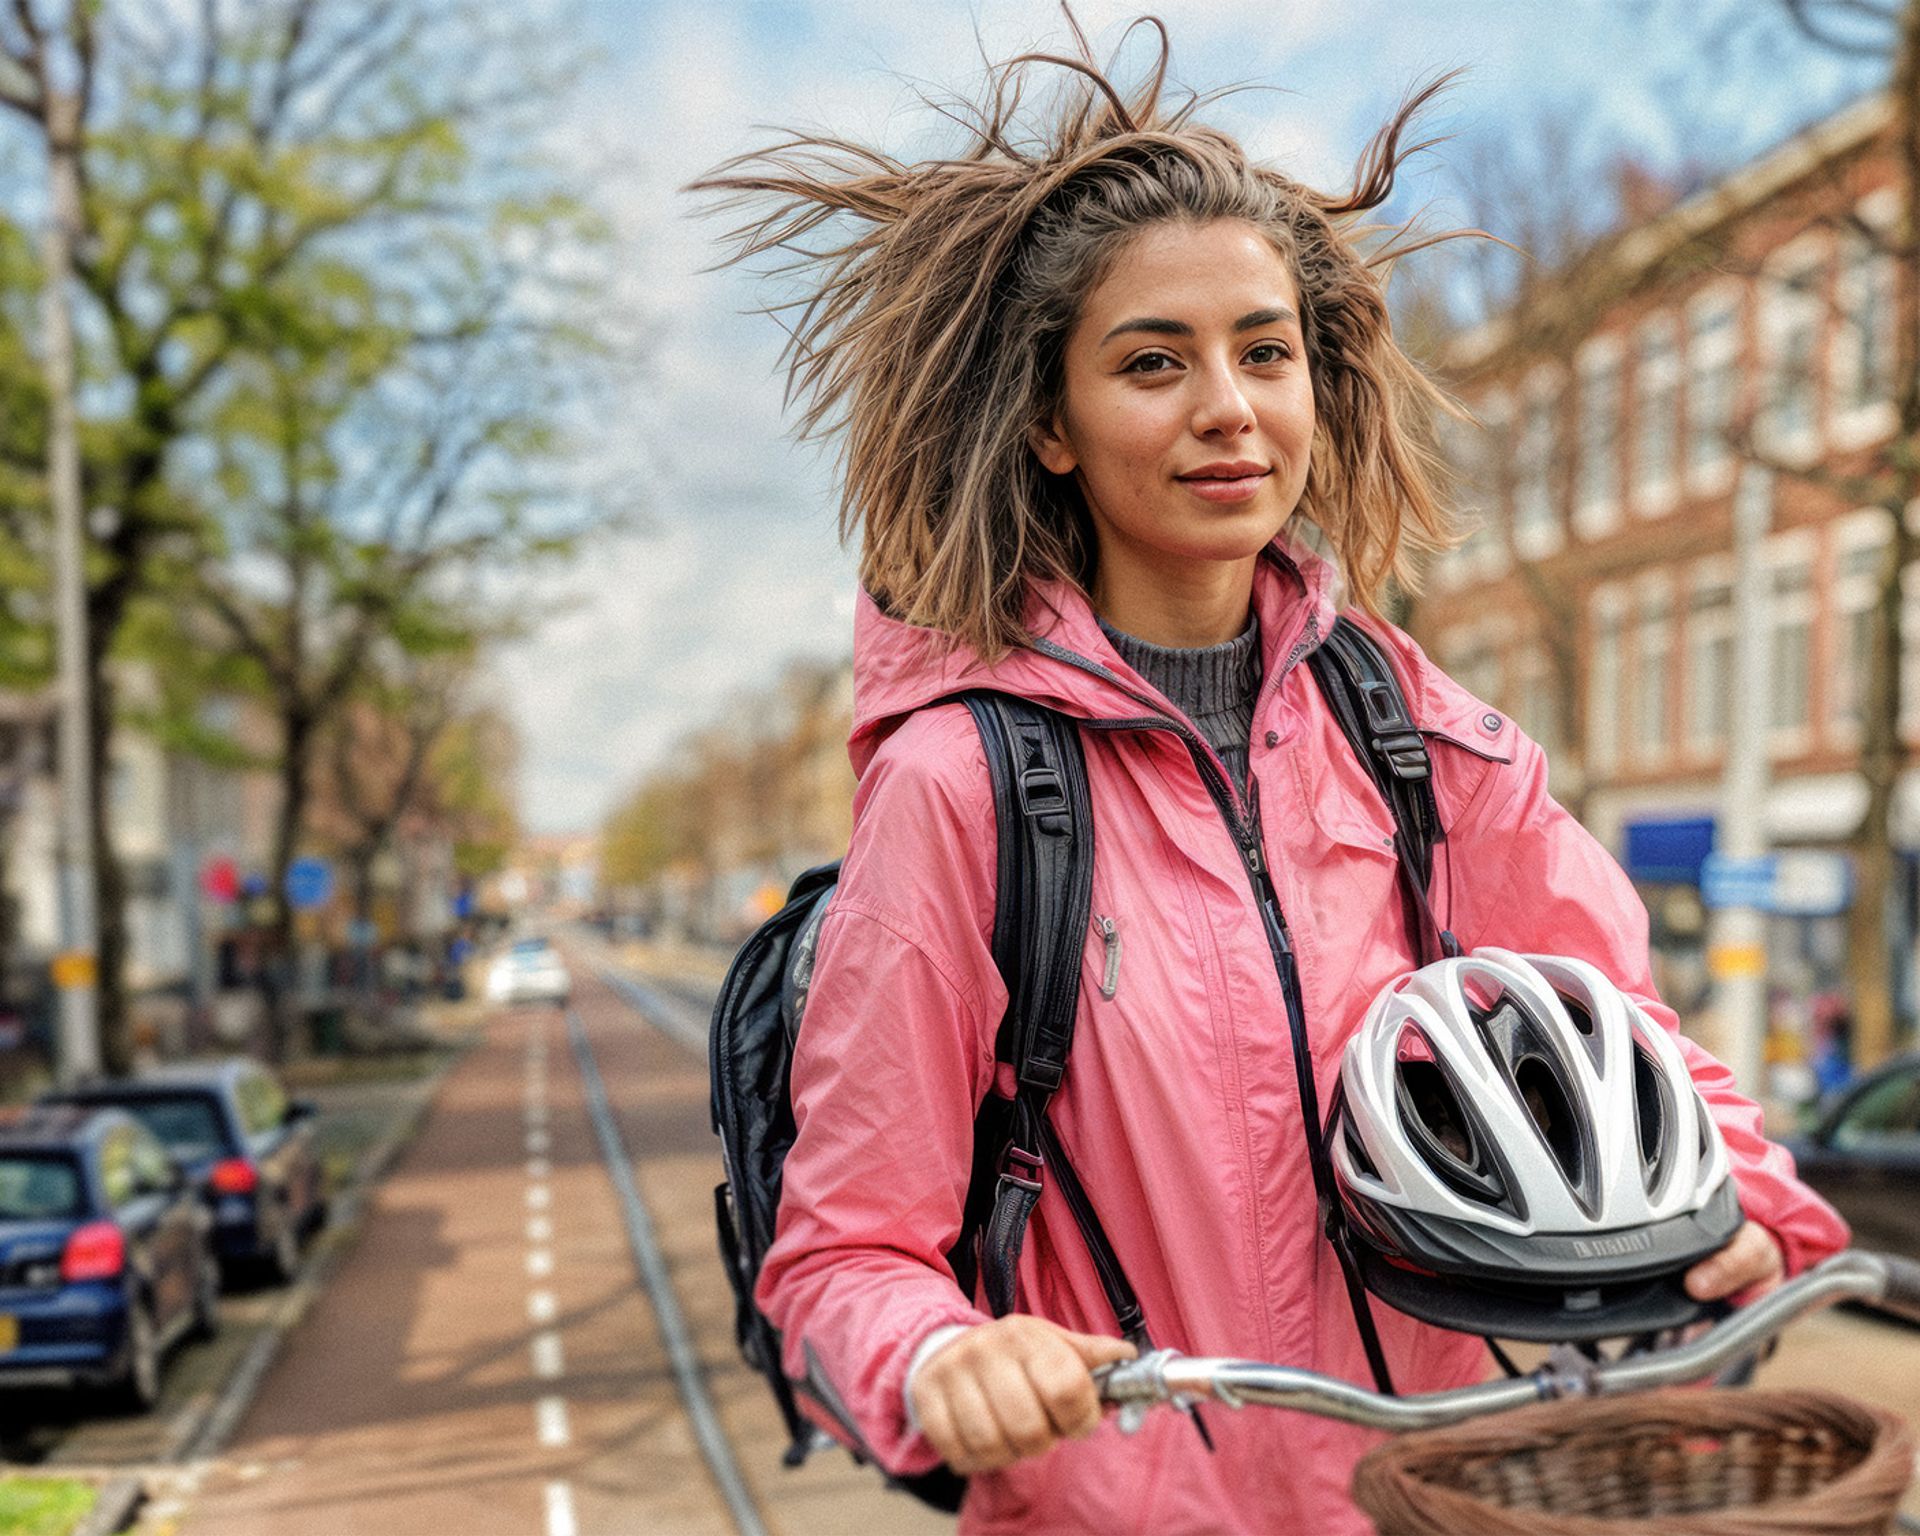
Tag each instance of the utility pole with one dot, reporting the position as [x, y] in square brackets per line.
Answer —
[75, 969]
[1736, 949]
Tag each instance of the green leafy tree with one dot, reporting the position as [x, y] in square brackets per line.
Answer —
[262, 179]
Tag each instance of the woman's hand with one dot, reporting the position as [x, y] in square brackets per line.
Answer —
[1009, 1389]
[1746, 1269]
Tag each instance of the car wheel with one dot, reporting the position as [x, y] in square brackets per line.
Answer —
[316, 1221]
[138, 1388]
[283, 1258]
[206, 1296]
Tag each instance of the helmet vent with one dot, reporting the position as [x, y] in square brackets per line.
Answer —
[1546, 1101]
[1444, 1134]
[1356, 1149]
[1651, 1111]
[1582, 1018]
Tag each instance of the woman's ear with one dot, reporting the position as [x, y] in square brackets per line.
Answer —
[1048, 439]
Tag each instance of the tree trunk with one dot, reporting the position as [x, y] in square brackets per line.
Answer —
[360, 861]
[109, 885]
[1882, 751]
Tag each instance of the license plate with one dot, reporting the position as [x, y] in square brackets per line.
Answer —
[9, 1332]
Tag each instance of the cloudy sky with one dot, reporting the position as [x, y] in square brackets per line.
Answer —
[737, 567]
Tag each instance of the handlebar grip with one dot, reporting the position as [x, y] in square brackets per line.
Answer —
[1902, 1294]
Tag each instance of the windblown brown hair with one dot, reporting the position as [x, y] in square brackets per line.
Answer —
[936, 308]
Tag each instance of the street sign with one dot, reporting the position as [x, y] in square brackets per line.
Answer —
[1809, 882]
[1731, 882]
[220, 880]
[1800, 882]
[309, 883]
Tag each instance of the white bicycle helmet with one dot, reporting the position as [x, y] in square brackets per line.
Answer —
[1521, 1152]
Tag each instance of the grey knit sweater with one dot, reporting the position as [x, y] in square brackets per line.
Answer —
[1213, 685]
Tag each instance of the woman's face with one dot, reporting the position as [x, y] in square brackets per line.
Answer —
[1188, 412]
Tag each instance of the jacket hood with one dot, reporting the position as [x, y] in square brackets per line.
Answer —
[900, 667]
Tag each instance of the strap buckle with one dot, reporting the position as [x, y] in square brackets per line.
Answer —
[1044, 798]
[1406, 754]
[1023, 1168]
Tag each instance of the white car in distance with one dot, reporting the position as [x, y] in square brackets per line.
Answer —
[530, 972]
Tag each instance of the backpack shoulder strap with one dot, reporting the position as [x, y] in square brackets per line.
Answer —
[1043, 903]
[1365, 696]
[1043, 897]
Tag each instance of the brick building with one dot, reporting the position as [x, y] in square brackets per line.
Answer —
[1594, 600]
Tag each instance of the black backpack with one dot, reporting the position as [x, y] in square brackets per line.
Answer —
[1043, 903]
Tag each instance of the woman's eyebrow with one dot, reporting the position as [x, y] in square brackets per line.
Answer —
[1162, 327]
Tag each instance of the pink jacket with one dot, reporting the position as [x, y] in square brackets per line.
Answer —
[1179, 1108]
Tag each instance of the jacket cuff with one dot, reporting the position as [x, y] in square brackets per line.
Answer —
[928, 1347]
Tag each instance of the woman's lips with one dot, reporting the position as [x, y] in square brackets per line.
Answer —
[1224, 487]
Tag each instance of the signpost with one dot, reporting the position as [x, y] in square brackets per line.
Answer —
[309, 884]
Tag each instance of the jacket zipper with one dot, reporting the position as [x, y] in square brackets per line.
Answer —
[1110, 936]
[1245, 830]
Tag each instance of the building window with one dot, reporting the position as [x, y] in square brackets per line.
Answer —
[1654, 645]
[1856, 592]
[1713, 382]
[1475, 454]
[1709, 661]
[1603, 684]
[1536, 531]
[1790, 654]
[1864, 337]
[1793, 313]
[1598, 487]
[1537, 702]
[1473, 661]
[1656, 416]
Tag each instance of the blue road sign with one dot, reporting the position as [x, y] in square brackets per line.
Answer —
[1731, 882]
[309, 883]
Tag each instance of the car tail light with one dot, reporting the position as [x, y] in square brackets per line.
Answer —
[233, 1176]
[97, 1251]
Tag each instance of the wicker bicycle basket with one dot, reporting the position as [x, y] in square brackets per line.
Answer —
[1716, 1463]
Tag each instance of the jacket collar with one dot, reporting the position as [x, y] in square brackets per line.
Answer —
[1071, 665]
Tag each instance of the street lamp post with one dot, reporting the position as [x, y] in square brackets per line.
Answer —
[1736, 951]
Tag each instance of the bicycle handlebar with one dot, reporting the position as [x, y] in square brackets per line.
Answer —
[1167, 1376]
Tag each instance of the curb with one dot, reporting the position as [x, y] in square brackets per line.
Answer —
[114, 1507]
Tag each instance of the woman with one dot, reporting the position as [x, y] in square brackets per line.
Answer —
[1094, 386]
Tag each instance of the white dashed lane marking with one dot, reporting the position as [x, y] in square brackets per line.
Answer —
[550, 1421]
[560, 1521]
[550, 1425]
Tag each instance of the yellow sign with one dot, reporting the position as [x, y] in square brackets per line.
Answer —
[73, 969]
[1726, 961]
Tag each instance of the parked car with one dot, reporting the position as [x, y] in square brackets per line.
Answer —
[531, 971]
[1864, 1156]
[248, 1147]
[106, 1256]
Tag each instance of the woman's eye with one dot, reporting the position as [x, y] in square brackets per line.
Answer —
[1269, 352]
[1149, 362]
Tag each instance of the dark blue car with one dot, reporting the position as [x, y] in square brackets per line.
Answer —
[248, 1147]
[105, 1258]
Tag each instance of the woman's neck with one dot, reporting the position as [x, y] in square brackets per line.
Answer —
[1192, 605]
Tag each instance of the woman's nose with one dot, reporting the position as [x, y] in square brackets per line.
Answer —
[1222, 408]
